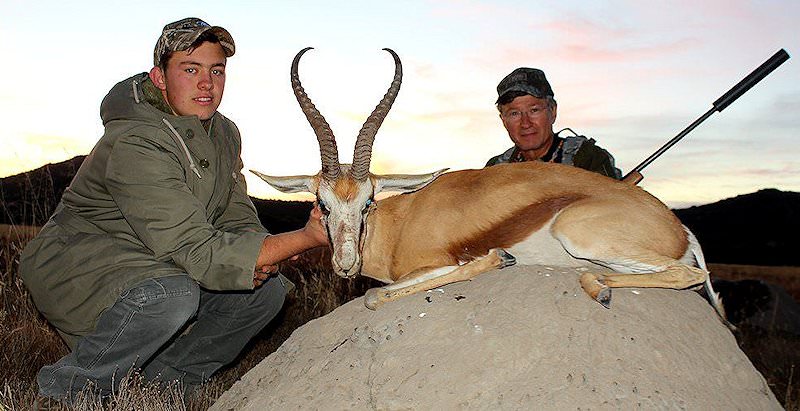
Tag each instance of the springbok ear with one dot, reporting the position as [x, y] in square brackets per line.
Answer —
[290, 184]
[404, 183]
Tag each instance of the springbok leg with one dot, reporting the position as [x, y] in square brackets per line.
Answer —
[429, 278]
[678, 276]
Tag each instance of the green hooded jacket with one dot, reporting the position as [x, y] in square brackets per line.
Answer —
[157, 196]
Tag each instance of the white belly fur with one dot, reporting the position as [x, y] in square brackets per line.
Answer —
[540, 248]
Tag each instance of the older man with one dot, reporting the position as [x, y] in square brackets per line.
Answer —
[155, 257]
[528, 110]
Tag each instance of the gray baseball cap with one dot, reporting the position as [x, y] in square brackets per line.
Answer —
[528, 80]
[179, 36]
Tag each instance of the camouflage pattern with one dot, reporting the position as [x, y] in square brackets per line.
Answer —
[527, 80]
[180, 35]
[577, 151]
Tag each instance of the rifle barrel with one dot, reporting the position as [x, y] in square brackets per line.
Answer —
[672, 142]
[751, 80]
[721, 103]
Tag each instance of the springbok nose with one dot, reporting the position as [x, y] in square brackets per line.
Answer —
[347, 256]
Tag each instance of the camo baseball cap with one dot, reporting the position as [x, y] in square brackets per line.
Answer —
[527, 80]
[180, 35]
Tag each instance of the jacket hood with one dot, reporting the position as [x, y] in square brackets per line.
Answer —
[126, 101]
[133, 100]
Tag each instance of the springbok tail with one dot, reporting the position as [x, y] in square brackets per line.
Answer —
[713, 296]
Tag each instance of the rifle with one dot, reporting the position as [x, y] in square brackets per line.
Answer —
[635, 176]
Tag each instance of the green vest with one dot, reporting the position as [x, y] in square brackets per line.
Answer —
[577, 151]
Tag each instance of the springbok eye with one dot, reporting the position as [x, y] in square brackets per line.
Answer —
[322, 207]
[368, 203]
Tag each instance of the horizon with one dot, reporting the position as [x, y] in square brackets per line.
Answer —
[630, 75]
[386, 194]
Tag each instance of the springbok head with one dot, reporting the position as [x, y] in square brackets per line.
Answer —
[346, 192]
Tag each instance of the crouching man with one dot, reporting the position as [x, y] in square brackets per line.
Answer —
[155, 258]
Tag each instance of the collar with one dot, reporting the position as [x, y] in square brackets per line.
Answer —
[553, 154]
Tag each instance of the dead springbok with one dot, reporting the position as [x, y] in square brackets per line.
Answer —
[468, 222]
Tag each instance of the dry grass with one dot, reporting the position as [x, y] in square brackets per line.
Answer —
[774, 353]
[786, 277]
[27, 342]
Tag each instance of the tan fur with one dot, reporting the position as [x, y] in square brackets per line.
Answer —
[346, 188]
[463, 215]
[500, 205]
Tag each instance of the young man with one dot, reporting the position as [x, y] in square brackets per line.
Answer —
[528, 110]
[156, 232]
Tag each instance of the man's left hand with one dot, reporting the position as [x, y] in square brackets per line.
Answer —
[263, 273]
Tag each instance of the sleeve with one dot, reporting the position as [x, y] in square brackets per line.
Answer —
[148, 184]
[598, 160]
[240, 214]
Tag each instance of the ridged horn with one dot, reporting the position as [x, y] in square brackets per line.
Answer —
[366, 136]
[325, 137]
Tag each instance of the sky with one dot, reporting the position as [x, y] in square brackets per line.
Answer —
[629, 74]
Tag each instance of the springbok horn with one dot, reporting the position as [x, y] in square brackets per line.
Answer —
[366, 136]
[325, 137]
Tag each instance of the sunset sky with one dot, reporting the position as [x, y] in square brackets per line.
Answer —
[629, 74]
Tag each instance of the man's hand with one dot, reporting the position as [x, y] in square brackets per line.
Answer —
[279, 247]
[315, 228]
[263, 273]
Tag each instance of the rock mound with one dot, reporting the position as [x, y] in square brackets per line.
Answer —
[524, 337]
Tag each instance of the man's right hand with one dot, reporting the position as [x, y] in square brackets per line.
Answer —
[315, 228]
[279, 247]
[263, 274]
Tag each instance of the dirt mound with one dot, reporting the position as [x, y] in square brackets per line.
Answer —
[519, 338]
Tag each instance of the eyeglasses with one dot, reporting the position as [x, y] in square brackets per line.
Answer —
[532, 113]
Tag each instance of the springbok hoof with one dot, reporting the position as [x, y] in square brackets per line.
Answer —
[604, 297]
[506, 259]
[372, 298]
[596, 289]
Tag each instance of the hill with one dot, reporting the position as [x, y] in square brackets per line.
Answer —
[30, 198]
[757, 228]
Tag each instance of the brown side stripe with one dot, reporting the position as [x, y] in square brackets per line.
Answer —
[513, 229]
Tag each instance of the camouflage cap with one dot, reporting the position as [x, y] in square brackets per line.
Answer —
[527, 80]
[180, 35]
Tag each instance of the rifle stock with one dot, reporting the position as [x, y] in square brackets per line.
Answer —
[633, 178]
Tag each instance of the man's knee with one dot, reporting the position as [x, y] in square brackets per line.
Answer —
[273, 292]
[173, 299]
[265, 300]
[269, 298]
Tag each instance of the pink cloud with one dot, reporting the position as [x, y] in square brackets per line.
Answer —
[584, 29]
[788, 170]
[583, 53]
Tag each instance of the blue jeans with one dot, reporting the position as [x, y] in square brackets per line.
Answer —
[149, 328]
